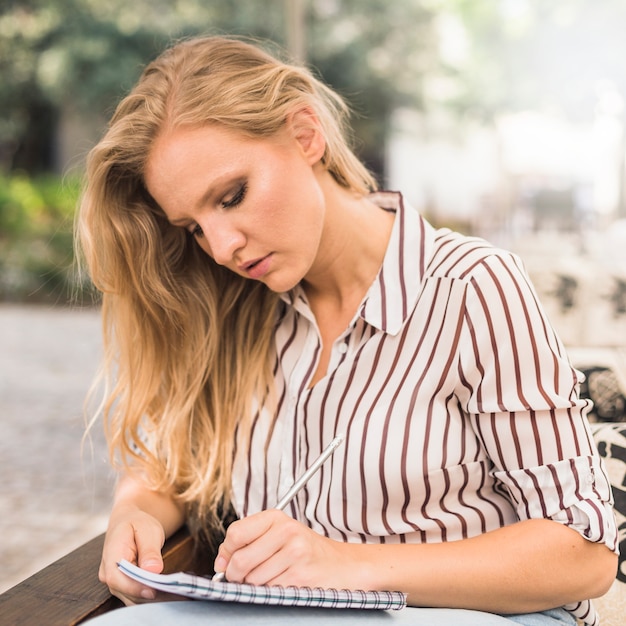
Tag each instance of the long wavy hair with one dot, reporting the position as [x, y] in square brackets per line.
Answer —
[187, 343]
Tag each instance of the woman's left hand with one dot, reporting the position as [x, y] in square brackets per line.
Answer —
[559, 566]
[271, 548]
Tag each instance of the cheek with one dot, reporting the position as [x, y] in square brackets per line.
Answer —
[203, 244]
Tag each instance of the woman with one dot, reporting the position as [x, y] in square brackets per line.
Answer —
[259, 297]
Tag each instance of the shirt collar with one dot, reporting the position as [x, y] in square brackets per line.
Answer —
[394, 292]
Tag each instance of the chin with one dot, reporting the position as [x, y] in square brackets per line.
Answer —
[280, 285]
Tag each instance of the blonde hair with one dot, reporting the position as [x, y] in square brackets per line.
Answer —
[188, 344]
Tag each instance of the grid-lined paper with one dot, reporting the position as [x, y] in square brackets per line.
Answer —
[202, 588]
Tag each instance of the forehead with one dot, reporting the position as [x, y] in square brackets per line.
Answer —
[214, 141]
[182, 150]
[184, 142]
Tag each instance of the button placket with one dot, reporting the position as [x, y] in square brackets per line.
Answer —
[296, 386]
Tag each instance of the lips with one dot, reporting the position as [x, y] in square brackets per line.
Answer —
[246, 266]
[256, 268]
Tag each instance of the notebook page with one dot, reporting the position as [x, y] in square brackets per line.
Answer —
[201, 588]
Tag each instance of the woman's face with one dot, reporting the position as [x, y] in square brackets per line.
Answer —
[253, 205]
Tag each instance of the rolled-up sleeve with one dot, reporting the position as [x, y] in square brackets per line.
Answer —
[525, 406]
[574, 492]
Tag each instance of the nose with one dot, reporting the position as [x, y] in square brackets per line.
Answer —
[223, 239]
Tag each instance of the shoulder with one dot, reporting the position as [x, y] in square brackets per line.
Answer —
[464, 257]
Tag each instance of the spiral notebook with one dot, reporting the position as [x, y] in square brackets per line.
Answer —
[201, 588]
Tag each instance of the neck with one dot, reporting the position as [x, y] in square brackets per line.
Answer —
[353, 245]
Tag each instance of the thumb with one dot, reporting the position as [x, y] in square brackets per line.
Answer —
[149, 553]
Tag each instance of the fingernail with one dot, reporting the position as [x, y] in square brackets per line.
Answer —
[151, 563]
[148, 594]
[220, 564]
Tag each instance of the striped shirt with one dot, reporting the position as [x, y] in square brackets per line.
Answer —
[456, 398]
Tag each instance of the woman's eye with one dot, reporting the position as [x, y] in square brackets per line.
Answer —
[237, 199]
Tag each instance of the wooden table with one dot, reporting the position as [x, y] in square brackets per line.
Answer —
[68, 591]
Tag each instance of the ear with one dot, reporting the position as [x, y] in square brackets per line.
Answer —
[306, 129]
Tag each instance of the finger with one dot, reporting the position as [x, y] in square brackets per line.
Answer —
[126, 589]
[119, 544]
[255, 572]
[241, 533]
[149, 541]
[269, 555]
[244, 531]
[139, 542]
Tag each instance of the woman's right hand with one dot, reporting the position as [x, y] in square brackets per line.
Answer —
[137, 537]
[141, 520]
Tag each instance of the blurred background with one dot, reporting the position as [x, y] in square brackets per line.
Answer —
[500, 118]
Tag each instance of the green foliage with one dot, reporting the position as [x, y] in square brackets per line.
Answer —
[36, 248]
[78, 57]
[376, 54]
[82, 55]
[32, 207]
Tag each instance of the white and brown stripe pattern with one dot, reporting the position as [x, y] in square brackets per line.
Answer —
[456, 398]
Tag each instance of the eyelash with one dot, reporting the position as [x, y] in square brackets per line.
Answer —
[236, 200]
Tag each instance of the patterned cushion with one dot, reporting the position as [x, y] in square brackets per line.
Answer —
[611, 441]
[602, 385]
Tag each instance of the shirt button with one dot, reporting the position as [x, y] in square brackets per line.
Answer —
[343, 348]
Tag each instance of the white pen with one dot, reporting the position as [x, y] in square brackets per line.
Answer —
[303, 480]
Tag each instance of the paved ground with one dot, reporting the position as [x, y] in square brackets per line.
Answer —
[54, 492]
